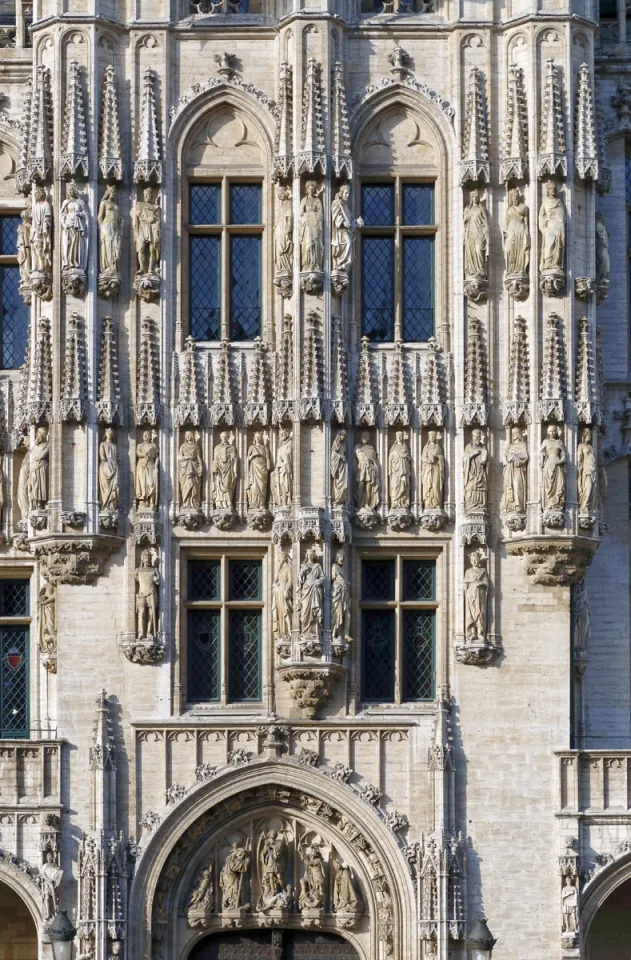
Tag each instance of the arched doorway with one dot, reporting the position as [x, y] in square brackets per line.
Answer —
[274, 945]
[610, 931]
[18, 936]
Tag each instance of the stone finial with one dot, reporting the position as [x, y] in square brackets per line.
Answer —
[398, 408]
[312, 156]
[517, 402]
[284, 145]
[312, 367]
[587, 386]
[514, 156]
[433, 393]
[148, 165]
[74, 151]
[189, 407]
[552, 158]
[40, 161]
[585, 147]
[102, 753]
[74, 403]
[148, 406]
[553, 392]
[257, 406]
[603, 184]
[475, 166]
[223, 409]
[21, 173]
[341, 154]
[110, 151]
[108, 398]
[340, 406]
[474, 409]
[40, 402]
[366, 396]
[284, 374]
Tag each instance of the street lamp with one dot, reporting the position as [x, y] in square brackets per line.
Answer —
[480, 941]
[61, 934]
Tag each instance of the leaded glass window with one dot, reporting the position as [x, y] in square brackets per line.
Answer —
[14, 314]
[14, 658]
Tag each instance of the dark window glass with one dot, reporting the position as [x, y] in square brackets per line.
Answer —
[378, 287]
[418, 288]
[203, 655]
[378, 580]
[205, 288]
[245, 580]
[608, 10]
[378, 655]
[14, 598]
[204, 579]
[244, 631]
[245, 287]
[245, 203]
[14, 704]
[205, 204]
[9, 235]
[14, 316]
[418, 204]
[378, 204]
[418, 580]
[418, 655]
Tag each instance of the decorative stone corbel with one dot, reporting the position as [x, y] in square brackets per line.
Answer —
[73, 559]
[553, 561]
[310, 684]
[146, 651]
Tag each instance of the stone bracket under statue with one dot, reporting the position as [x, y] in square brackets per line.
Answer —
[69, 559]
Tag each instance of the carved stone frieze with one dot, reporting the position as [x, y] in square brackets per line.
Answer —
[73, 559]
[553, 561]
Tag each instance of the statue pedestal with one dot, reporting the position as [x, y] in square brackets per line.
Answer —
[147, 286]
[400, 519]
[311, 917]
[367, 518]
[433, 520]
[552, 283]
[232, 917]
[191, 518]
[73, 281]
[258, 519]
[147, 650]
[223, 519]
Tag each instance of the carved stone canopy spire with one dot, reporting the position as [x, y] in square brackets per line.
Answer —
[552, 158]
[40, 161]
[108, 401]
[585, 147]
[312, 156]
[148, 165]
[284, 146]
[257, 406]
[475, 166]
[553, 392]
[102, 748]
[223, 409]
[398, 408]
[189, 407]
[73, 404]
[74, 152]
[366, 397]
[284, 372]
[514, 161]
[21, 413]
[474, 409]
[517, 403]
[110, 151]
[433, 394]
[22, 183]
[40, 403]
[341, 156]
[587, 386]
[312, 366]
[148, 407]
[340, 406]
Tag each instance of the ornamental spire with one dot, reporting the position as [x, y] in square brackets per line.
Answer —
[224, 405]
[312, 381]
[553, 390]
[148, 408]
[20, 414]
[21, 174]
[40, 404]
[257, 407]
[312, 156]
[108, 401]
[110, 152]
[40, 161]
[366, 400]
[398, 409]
[433, 400]
[102, 760]
[516, 405]
[475, 166]
[283, 381]
[341, 156]
[340, 407]
[73, 404]
[189, 407]
[587, 392]
[552, 159]
[283, 156]
[585, 148]
[475, 379]
[514, 161]
[148, 165]
[74, 152]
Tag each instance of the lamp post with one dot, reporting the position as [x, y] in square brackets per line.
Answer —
[61, 934]
[480, 941]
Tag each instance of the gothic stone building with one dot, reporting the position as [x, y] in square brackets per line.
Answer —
[315, 425]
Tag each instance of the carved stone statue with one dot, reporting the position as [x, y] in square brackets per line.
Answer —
[476, 585]
[552, 229]
[147, 471]
[109, 492]
[148, 232]
[340, 601]
[282, 478]
[38, 471]
[147, 580]
[366, 475]
[41, 232]
[23, 486]
[400, 473]
[603, 260]
[311, 583]
[235, 866]
[476, 248]
[46, 607]
[516, 238]
[345, 899]
[272, 855]
[110, 242]
[569, 906]
[284, 242]
[259, 470]
[50, 878]
[311, 229]
[339, 470]
[224, 471]
[73, 217]
[24, 251]
[587, 474]
[201, 899]
[190, 471]
[342, 224]
[475, 460]
[312, 884]
[432, 473]
[515, 473]
[283, 597]
[553, 459]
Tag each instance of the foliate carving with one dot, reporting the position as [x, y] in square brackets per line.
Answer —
[110, 151]
[341, 142]
[239, 757]
[41, 279]
[47, 615]
[205, 772]
[223, 409]
[308, 758]
[312, 367]
[283, 406]
[516, 406]
[312, 239]
[516, 241]
[340, 773]
[22, 180]
[370, 794]
[410, 81]
[148, 406]
[552, 157]
[398, 406]
[587, 393]
[108, 398]
[74, 221]
[189, 407]
[256, 408]
[211, 83]
[40, 400]
[475, 166]
[74, 150]
[312, 156]
[585, 147]
[74, 405]
[310, 685]
[514, 156]
[553, 391]
[340, 406]
[110, 244]
[148, 164]
[40, 159]
[283, 147]
[474, 409]
[73, 559]
[148, 651]
[366, 396]
[476, 249]
[554, 562]
[515, 480]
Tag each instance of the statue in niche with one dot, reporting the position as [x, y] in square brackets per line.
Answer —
[311, 229]
[553, 459]
[345, 899]
[41, 232]
[400, 473]
[582, 621]
[272, 857]
[283, 597]
[23, 485]
[476, 247]
[342, 228]
[224, 471]
[38, 471]
[311, 583]
[366, 475]
[281, 480]
[587, 471]
[552, 229]
[284, 233]
[432, 473]
[569, 906]
[109, 492]
[201, 897]
[147, 580]
[73, 218]
[312, 883]
[339, 470]
[110, 241]
[190, 471]
[515, 473]
[475, 460]
[46, 608]
[24, 248]
[259, 470]
[147, 233]
[476, 586]
[516, 241]
[603, 260]
[50, 879]
[147, 471]
[235, 866]
[340, 600]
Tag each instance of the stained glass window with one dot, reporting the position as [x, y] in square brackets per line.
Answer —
[14, 659]
[14, 598]
[418, 579]
[205, 287]
[244, 637]
[245, 287]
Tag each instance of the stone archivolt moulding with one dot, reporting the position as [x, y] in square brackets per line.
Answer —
[553, 561]
[71, 560]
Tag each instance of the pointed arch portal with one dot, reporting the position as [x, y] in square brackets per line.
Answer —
[274, 945]
[18, 934]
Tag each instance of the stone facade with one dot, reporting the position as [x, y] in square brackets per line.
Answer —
[493, 447]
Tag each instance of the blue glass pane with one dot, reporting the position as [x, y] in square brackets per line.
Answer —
[244, 633]
[418, 655]
[14, 598]
[205, 288]
[627, 178]
[14, 316]
[378, 580]
[378, 204]
[378, 655]
[245, 287]
[245, 203]
[9, 235]
[245, 580]
[204, 579]
[418, 288]
[205, 203]
[378, 287]
[418, 204]
[418, 579]
[203, 655]
[14, 712]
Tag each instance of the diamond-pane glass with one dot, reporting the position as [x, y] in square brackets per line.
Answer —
[378, 580]
[245, 580]
[14, 598]
[418, 288]
[204, 204]
[9, 235]
[14, 316]
[378, 204]
[378, 655]
[203, 655]
[14, 712]
[245, 203]
[418, 204]
[205, 288]
[627, 178]
[204, 579]
[244, 632]
[378, 287]
[418, 580]
[245, 287]
[418, 655]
